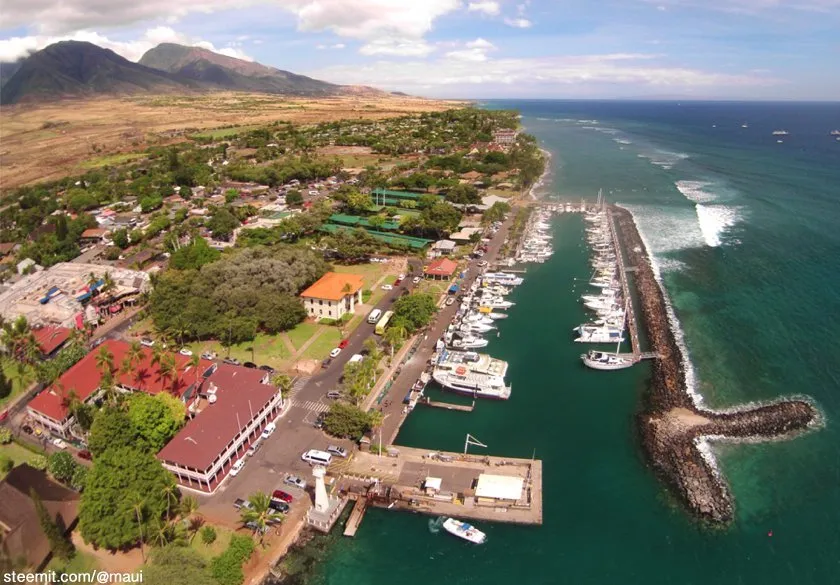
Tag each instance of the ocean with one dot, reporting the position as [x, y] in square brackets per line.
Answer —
[744, 232]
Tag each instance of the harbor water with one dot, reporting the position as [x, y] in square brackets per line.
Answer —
[743, 230]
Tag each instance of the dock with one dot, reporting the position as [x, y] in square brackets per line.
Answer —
[632, 324]
[356, 517]
[448, 406]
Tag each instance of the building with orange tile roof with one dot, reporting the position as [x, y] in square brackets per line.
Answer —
[442, 268]
[333, 295]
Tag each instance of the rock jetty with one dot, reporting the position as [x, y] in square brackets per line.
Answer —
[672, 427]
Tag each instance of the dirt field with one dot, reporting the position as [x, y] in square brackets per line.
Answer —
[48, 141]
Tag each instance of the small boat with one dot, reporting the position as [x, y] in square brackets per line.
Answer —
[602, 360]
[780, 132]
[834, 133]
[464, 530]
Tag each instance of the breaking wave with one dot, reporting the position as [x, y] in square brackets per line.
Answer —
[663, 158]
[714, 219]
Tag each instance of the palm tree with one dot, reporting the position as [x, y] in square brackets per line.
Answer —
[170, 492]
[195, 363]
[169, 369]
[260, 513]
[284, 383]
[194, 525]
[157, 354]
[133, 356]
[167, 533]
[105, 361]
[393, 337]
[188, 506]
[138, 507]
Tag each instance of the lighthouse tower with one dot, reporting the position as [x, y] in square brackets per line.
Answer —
[322, 500]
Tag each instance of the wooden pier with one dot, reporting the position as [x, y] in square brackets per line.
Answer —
[448, 406]
[632, 325]
[356, 516]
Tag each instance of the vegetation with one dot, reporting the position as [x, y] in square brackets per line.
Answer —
[62, 466]
[350, 422]
[413, 311]
[260, 515]
[177, 565]
[154, 420]
[497, 212]
[226, 569]
[54, 529]
[208, 535]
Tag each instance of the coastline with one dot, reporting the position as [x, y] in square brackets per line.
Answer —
[675, 428]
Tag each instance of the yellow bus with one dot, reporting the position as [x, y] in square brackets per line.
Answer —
[383, 322]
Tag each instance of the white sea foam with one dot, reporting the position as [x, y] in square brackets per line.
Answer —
[663, 158]
[623, 141]
[672, 229]
[690, 377]
[696, 191]
[714, 221]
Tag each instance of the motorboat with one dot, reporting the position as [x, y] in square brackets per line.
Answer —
[600, 335]
[469, 342]
[465, 531]
[473, 374]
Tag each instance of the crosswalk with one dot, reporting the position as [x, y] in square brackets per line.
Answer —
[312, 405]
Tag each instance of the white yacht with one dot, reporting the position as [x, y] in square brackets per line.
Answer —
[475, 328]
[601, 334]
[469, 342]
[473, 374]
[505, 278]
[602, 360]
[464, 530]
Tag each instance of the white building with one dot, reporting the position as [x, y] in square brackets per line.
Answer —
[333, 295]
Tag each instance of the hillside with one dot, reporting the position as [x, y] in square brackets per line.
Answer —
[73, 68]
[207, 67]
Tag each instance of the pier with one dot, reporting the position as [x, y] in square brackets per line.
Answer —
[356, 517]
[447, 405]
[632, 325]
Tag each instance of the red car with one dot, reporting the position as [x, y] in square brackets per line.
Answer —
[397, 282]
[343, 343]
[84, 454]
[281, 495]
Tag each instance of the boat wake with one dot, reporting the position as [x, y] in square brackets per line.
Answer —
[713, 218]
[435, 524]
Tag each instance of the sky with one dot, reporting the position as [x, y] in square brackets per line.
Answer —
[703, 49]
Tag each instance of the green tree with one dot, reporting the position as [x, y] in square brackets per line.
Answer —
[227, 567]
[222, 223]
[195, 255]
[62, 466]
[284, 383]
[463, 194]
[122, 478]
[294, 197]
[6, 464]
[416, 310]
[208, 535]
[496, 212]
[5, 385]
[177, 565]
[394, 336]
[111, 428]
[120, 238]
[54, 529]
[357, 202]
[347, 421]
[152, 420]
[38, 462]
[260, 513]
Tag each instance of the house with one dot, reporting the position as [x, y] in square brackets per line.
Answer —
[49, 408]
[333, 295]
[50, 339]
[440, 269]
[93, 236]
[140, 260]
[6, 249]
[22, 536]
[471, 176]
[231, 409]
[504, 137]
[465, 234]
[443, 248]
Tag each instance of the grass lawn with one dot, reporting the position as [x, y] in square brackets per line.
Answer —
[223, 535]
[111, 159]
[17, 453]
[433, 287]
[321, 347]
[10, 369]
[81, 562]
[370, 273]
[268, 350]
[301, 334]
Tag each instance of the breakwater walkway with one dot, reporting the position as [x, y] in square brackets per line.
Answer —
[630, 317]
[672, 427]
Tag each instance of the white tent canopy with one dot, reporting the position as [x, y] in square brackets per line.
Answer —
[499, 487]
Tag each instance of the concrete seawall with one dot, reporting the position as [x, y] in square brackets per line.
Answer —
[671, 426]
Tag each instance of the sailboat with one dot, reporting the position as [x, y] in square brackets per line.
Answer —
[602, 360]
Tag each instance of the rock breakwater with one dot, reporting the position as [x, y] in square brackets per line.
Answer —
[673, 428]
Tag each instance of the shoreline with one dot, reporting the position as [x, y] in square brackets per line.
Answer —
[681, 454]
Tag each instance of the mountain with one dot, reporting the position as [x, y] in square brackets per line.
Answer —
[73, 68]
[207, 67]
[7, 70]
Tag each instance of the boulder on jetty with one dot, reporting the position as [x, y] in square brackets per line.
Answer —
[671, 426]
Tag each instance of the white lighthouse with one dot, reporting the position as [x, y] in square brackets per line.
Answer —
[322, 500]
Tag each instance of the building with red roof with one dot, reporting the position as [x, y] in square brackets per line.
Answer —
[441, 269]
[49, 408]
[232, 408]
[50, 339]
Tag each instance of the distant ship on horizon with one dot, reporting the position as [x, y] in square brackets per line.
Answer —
[780, 132]
[834, 133]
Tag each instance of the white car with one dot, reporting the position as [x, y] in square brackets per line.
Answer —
[416, 280]
[237, 467]
[269, 428]
[146, 342]
[387, 287]
[59, 443]
[185, 351]
[334, 353]
[401, 277]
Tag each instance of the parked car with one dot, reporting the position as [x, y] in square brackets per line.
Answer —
[268, 369]
[387, 287]
[26, 429]
[253, 448]
[59, 443]
[185, 351]
[208, 356]
[401, 277]
[319, 420]
[295, 481]
[336, 450]
[282, 496]
[146, 342]
[397, 282]
[278, 506]
[343, 343]
[326, 363]
[483, 263]
[237, 467]
[334, 353]
[449, 301]
[239, 503]
[85, 454]
[416, 280]
[251, 365]
[269, 428]
[231, 361]
[333, 394]
[255, 527]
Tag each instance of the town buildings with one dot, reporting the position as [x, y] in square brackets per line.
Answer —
[333, 295]
[440, 269]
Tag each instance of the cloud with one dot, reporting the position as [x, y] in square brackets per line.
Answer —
[17, 47]
[488, 8]
[397, 47]
[335, 46]
[456, 75]
[518, 22]
[475, 51]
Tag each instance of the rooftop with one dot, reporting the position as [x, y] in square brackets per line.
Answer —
[240, 394]
[50, 338]
[441, 267]
[84, 378]
[499, 487]
[334, 286]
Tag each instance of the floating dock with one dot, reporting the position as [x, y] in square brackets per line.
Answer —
[448, 406]
[356, 516]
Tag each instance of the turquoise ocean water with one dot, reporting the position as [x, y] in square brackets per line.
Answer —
[745, 232]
